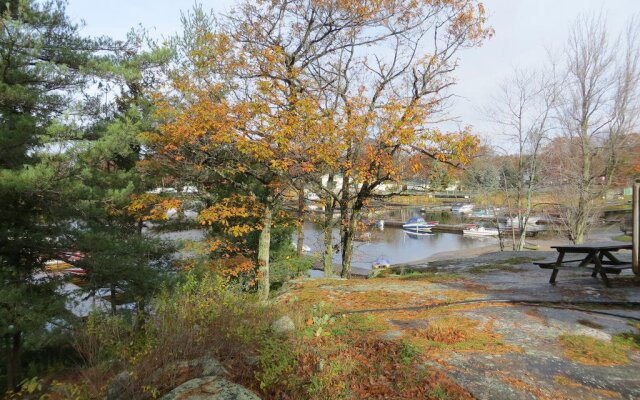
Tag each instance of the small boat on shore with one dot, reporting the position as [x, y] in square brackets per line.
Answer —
[480, 231]
[380, 262]
[418, 225]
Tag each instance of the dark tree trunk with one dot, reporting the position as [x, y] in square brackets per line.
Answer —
[112, 298]
[14, 360]
[300, 242]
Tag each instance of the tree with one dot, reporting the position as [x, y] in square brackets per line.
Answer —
[113, 204]
[523, 110]
[45, 63]
[597, 112]
[384, 103]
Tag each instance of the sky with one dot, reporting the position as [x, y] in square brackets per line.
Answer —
[524, 30]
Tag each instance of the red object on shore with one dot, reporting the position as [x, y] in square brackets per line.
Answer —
[75, 271]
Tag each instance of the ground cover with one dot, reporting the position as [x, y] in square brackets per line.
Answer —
[450, 320]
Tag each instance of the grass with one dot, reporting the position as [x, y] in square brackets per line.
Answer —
[428, 275]
[622, 238]
[590, 351]
[432, 277]
[508, 265]
[456, 333]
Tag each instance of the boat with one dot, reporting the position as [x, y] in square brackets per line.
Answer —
[418, 225]
[462, 208]
[480, 231]
[380, 262]
[417, 235]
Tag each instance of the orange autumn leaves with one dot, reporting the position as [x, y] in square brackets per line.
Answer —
[285, 92]
[234, 214]
[151, 207]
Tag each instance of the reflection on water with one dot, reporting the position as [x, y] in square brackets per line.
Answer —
[393, 244]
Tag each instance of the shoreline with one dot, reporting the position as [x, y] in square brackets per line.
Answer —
[543, 245]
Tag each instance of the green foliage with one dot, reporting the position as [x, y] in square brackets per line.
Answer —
[290, 267]
[439, 393]
[45, 64]
[408, 352]
[276, 363]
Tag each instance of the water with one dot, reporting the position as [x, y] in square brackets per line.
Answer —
[393, 244]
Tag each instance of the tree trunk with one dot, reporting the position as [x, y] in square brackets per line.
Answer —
[300, 243]
[329, 206]
[141, 314]
[580, 225]
[582, 211]
[14, 360]
[347, 244]
[263, 253]
[327, 256]
[112, 297]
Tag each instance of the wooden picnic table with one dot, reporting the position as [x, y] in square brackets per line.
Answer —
[599, 254]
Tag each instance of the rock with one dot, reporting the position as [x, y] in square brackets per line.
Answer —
[211, 366]
[594, 333]
[283, 325]
[210, 388]
[205, 366]
[117, 388]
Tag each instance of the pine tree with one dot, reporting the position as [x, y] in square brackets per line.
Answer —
[43, 61]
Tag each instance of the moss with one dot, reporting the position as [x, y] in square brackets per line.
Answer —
[590, 324]
[590, 351]
[572, 385]
[622, 238]
[432, 277]
[628, 339]
[481, 269]
[508, 265]
[521, 260]
[460, 334]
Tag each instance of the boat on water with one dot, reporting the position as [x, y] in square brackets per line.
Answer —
[417, 235]
[418, 225]
[480, 231]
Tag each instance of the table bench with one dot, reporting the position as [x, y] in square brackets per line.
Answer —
[595, 253]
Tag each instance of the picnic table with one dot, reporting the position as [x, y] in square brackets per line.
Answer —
[598, 254]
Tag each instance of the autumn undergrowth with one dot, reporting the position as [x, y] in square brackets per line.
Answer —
[205, 315]
[591, 351]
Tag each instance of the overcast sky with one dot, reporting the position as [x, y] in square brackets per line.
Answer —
[523, 30]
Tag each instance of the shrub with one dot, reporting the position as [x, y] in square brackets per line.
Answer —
[205, 315]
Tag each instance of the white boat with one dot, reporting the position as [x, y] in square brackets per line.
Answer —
[533, 226]
[418, 225]
[416, 235]
[480, 231]
[380, 262]
[462, 208]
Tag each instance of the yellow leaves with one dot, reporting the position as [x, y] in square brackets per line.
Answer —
[151, 207]
[234, 215]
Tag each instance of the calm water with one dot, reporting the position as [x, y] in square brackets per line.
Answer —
[394, 244]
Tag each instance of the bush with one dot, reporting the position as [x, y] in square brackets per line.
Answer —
[205, 315]
[290, 267]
